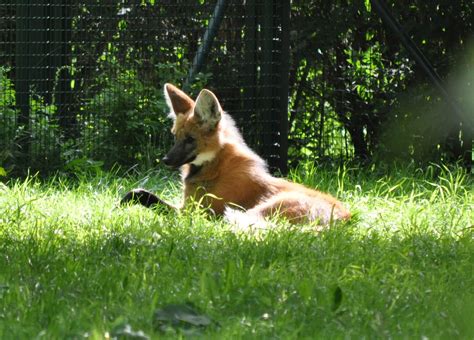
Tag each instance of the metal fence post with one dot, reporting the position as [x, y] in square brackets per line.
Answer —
[61, 26]
[467, 147]
[250, 69]
[22, 74]
[284, 84]
[267, 83]
[274, 75]
[204, 48]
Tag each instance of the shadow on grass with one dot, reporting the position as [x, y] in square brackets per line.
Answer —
[338, 282]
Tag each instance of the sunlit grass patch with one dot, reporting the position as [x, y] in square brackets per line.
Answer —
[73, 263]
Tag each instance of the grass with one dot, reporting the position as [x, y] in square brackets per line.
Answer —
[73, 264]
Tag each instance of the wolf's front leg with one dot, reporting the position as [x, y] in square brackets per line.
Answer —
[145, 198]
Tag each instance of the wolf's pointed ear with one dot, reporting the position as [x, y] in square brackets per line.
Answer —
[178, 101]
[208, 111]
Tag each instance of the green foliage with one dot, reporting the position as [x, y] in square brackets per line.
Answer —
[44, 134]
[102, 104]
[7, 117]
[124, 122]
[356, 92]
[41, 135]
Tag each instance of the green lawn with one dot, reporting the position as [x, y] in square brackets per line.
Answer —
[73, 264]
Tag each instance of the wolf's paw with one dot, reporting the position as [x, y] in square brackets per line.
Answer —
[140, 196]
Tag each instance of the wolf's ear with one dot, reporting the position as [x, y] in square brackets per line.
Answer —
[208, 111]
[178, 101]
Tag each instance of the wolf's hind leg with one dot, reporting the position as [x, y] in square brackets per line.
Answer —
[295, 210]
[300, 208]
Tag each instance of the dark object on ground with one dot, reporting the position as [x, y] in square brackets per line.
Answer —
[145, 198]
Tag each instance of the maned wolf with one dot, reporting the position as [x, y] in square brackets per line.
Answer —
[221, 172]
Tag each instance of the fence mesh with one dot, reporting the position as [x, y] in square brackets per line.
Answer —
[81, 82]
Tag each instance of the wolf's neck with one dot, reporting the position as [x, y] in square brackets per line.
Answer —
[193, 171]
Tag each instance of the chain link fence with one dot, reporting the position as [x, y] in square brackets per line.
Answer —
[81, 82]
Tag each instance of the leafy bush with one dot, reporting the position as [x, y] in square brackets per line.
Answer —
[126, 121]
[121, 123]
[7, 118]
[36, 145]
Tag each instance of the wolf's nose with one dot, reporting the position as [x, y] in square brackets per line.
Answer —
[166, 160]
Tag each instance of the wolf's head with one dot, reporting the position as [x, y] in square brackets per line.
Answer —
[195, 127]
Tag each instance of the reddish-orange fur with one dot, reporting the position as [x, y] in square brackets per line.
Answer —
[234, 175]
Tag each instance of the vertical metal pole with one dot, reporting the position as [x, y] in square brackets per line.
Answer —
[284, 84]
[268, 84]
[38, 47]
[62, 41]
[205, 47]
[467, 145]
[250, 79]
[322, 112]
[22, 80]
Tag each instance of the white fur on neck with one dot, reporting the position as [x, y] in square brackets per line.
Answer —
[204, 157]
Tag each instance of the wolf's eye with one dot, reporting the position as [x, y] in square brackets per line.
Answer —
[189, 140]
